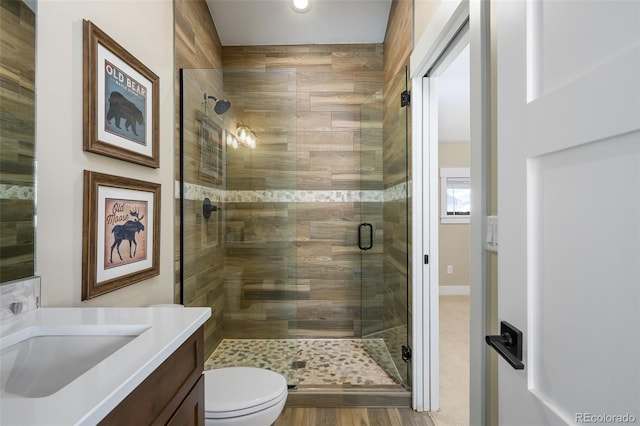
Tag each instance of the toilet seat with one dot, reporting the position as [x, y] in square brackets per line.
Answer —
[239, 391]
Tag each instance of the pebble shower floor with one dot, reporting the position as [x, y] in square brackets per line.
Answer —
[311, 362]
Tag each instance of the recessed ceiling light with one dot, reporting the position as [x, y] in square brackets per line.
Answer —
[301, 6]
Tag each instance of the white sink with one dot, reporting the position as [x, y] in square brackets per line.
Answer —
[38, 361]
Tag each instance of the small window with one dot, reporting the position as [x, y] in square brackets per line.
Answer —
[455, 195]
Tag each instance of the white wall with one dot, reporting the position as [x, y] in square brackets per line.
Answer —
[145, 29]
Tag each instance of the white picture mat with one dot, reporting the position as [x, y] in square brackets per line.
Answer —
[105, 192]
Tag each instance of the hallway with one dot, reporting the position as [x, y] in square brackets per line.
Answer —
[454, 362]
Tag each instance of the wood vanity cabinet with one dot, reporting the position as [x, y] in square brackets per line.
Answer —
[172, 395]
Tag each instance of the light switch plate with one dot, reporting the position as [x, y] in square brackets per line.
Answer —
[492, 233]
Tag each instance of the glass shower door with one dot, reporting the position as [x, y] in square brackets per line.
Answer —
[383, 232]
[238, 213]
[202, 175]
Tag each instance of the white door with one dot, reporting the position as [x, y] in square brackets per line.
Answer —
[569, 209]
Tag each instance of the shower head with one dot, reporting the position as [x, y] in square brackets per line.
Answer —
[221, 105]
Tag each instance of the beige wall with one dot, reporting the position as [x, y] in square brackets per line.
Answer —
[454, 237]
[424, 11]
[145, 29]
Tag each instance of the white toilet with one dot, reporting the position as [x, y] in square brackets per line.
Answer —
[243, 396]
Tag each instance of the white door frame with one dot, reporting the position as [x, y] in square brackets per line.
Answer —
[448, 18]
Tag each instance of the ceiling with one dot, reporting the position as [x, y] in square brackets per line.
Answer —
[274, 22]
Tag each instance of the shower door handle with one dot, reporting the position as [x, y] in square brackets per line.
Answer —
[365, 225]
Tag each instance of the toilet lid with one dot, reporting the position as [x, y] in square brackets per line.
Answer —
[233, 391]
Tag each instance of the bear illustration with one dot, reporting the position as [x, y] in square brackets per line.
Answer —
[120, 107]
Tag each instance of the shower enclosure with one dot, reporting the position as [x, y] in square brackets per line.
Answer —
[270, 230]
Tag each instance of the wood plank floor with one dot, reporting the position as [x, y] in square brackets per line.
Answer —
[298, 416]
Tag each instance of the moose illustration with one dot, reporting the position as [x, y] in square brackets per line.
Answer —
[127, 231]
[120, 107]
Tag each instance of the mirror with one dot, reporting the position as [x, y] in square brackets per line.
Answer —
[17, 139]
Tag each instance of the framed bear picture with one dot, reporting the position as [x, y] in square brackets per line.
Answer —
[121, 101]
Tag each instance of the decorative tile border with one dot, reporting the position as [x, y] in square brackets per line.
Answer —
[198, 192]
[295, 196]
[17, 192]
[397, 192]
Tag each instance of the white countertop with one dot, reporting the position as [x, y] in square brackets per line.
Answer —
[90, 397]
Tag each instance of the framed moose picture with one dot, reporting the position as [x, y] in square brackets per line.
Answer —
[121, 232]
[121, 101]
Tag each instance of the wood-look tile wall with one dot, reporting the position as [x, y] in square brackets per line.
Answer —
[395, 214]
[293, 269]
[17, 140]
[398, 41]
[372, 260]
[396, 297]
[199, 52]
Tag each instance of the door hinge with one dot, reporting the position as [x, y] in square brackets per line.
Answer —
[406, 353]
[405, 98]
[426, 259]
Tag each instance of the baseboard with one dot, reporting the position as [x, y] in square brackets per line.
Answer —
[454, 290]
